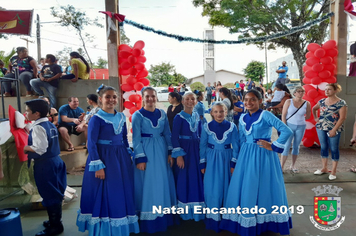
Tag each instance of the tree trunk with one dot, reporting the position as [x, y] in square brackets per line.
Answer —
[299, 57]
[91, 63]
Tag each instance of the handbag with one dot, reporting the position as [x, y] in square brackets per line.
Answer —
[296, 110]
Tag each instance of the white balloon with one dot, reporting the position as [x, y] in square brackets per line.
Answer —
[322, 85]
[313, 85]
[126, 112]
[309, 125]
[127, 95]
[139, 93]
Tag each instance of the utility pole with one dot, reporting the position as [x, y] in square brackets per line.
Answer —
[38, 37]
[27, 41]
[113, 42]
[266, 62]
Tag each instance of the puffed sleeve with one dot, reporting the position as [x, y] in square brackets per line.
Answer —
[140, 156]
[167, 133]
[285, 131]
[235, 146]
[95, 163]
[203, 146]
[177, 126]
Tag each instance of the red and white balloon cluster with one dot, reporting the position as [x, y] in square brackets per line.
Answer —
[320, 70]
[132, 67]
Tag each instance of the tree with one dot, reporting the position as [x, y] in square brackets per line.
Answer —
[101, 63]
[254, 70]
[71, 17]
[63, 55]
[164, 73]
[6, 57]
[123, 38]
[254, 18]
[197, 86]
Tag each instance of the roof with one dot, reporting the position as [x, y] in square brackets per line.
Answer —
[222, 70]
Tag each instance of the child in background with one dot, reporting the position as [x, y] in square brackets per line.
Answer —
[199, 107]
[185, 140]
[238, 109]
[219, 148]
[3, 70]
[49, 169]
[52, 113]
[107, 204]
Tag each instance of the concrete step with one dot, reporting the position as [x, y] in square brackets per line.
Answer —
[74, 159]
[74, 139]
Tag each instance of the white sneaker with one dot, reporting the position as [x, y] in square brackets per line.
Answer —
[332, 177]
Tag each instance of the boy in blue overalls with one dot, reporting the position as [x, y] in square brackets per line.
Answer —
[49, 169]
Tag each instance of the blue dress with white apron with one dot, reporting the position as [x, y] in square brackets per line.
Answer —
[107, 206]
[154, 186]
[258, 179]
[189, 180]
[219, 148]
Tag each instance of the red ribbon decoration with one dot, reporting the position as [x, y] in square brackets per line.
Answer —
[117, 16]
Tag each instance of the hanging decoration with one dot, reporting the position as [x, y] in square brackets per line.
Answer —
[320, 70]
[131, 61]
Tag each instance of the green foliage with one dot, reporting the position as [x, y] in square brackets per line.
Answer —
[268, 85]
[164, 73]
[63, 55]
[253, 18]
[101, 63]
[70, 17]
[6, 57]
[254, 70]
[123, 38]
[197, 86]
[229, 85]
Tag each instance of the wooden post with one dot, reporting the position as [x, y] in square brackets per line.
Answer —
[112, 45]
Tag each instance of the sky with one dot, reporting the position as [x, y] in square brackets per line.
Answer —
[175, 16]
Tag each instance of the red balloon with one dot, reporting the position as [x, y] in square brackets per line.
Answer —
[326, 60]
[142, 73]
[309, 54]
[139, 105]
[128, 104]
[329, 44]
[121, 60]
[134, 98]
[312, 47]
[123, 72]
[125, 47]
[331, 80]
[141, 59]
[308, 142]
[330, 67]
[136, 52]
[324, 74]
[139, 66]
[132, 71]
[133, 109]
[139, 44]
[130, 119]
[312, 61]
[332, 52]
[124, 54]
[316, 80]
[138, 86]
[125, 65]
[307, 87]
[306, 68]
[321, 92]
[311, 74]
[142, 52]
[313, 93]
[318, 67]
[320, 53]
[127, 87]
[306, 80]
[131, 80]
[145, 81]
[317, 99]
[132, 60]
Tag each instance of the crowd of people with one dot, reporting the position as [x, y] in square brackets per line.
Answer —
[180, 162]
[45, 74]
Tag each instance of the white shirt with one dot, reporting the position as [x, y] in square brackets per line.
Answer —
[278, 96]
[39, 137]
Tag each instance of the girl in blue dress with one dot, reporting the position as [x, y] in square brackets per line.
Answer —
[219, 148]
[154, 182]
[199, 107]
[107, 203]
[258, 179]
[185, 140]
